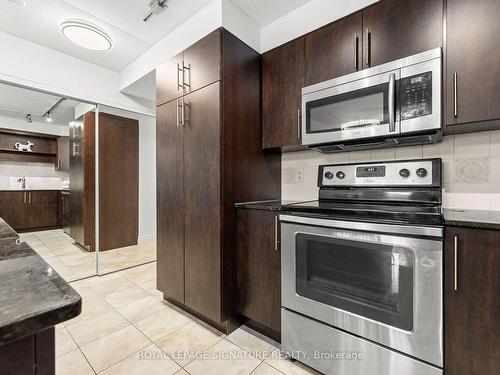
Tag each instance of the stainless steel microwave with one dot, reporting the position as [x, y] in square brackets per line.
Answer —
[394, 104]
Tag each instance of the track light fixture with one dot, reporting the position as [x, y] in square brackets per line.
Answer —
[156, 7]
[28, 118]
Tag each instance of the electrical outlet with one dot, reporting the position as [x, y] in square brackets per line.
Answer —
[299, 175]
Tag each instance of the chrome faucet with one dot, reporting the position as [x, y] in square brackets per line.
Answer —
[22, 180]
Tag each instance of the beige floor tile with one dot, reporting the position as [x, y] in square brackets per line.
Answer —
[265, 369]
[73, 363]
[97, 327]
[64, 341]
[141, 308]
[253, 342]
[108, 284]
[182, 372]
[161, 324]
[184, 343]
[111, 349]
[150, 286]
[125, 296]
[277, 360]
[148, 361]
[224, 358]
[141, 275]
[90, 308]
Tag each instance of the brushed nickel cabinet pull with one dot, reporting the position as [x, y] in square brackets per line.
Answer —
[184, 68]
[298, 123]
[177, 123]
[356, 39]
[179, 86]
[29, 197]
[183, 112]
[276, 240]
[368, 47]
[455, 265]
[24, 197]
[455, 94]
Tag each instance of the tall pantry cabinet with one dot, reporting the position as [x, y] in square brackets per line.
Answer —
[209, 157]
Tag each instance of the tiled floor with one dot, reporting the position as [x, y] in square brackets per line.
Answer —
[127, 328]
[73, 263]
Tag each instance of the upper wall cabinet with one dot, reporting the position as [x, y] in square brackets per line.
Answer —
[472, 63]
[190, 70]
[394, 29]
[334, 50]
[283, 77]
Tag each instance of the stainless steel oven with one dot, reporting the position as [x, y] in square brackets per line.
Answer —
[362, 269]
[397, 103]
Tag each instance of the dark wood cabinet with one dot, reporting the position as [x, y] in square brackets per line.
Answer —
[202, 62]
[170, 201]
[65, 211]
[13, 208]
[335, 49]
[169, 80]
[471, 301]
[194, 68]
[202, 208]
[472, 63]
[31, 209]
[394, 29]
[43, 209]
[31, 355]
[283, 76]
[259, 268]
[62, 163]
[209, 156]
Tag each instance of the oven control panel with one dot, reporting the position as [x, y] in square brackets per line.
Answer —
[393, 173]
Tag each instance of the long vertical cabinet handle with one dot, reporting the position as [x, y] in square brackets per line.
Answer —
[29, 197]
[276, 234]
[184, 68]
[179, 70]
[24, 197]
[455, 264]
[455, 94]
[356, 41]
[368, 47]
[183, 111]
[298, 123]
[177, 105]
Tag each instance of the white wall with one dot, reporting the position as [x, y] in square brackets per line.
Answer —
[37, 126]
[471, 164]
[31, 65]
[147, 179]
[306, 18]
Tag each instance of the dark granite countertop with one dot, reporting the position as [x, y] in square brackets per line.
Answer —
[472, 218]
[271, 205]
[33, 297]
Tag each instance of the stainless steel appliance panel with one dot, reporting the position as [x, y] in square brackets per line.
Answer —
[424, 338]
[323, 342]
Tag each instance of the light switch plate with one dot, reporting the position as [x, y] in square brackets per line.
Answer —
[299, 175]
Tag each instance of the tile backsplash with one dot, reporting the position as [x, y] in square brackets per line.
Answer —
[471, 168]
[38, 176]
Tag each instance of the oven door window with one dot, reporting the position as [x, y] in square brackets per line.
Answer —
[366, 279]
[352, 110]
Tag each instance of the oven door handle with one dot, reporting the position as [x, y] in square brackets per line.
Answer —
[436, 232]
[392, 102]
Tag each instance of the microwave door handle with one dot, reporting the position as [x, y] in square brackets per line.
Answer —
[392, 102]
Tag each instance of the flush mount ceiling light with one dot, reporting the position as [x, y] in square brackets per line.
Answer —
[86, 35]
[15, 3]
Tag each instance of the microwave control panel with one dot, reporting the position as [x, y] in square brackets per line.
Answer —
[416, 96]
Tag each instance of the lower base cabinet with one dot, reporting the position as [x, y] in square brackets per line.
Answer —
[472, 301]
[31, 209]
[259, 269]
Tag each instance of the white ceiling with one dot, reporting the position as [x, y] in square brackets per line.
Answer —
[16, 101]
[39, 21]
[263, 12]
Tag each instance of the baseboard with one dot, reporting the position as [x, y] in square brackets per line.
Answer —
[146, 239]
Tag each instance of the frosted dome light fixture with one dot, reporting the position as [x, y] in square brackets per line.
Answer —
[86, 35]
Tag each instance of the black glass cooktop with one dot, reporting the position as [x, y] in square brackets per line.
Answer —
[400, 213]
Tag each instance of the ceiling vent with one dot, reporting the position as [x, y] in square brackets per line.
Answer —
[155, 8]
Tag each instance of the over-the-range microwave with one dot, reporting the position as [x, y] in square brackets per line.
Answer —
[394, 104]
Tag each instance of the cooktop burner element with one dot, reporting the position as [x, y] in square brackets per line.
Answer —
[400, 192]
